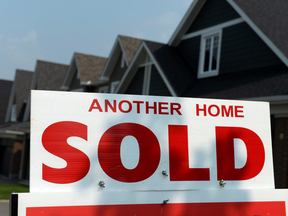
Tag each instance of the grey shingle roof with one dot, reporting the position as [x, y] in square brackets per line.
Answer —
[48, 75]
[130, 46]
[5, 90]
[90, 67]
[271, 17]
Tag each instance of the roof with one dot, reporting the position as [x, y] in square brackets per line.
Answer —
[49, 75]
[89, 67]
[130, 46]
[5, 90]
[269, 19]
[20, 92]
[126, 46]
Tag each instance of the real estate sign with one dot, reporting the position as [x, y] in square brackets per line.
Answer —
[107, 142]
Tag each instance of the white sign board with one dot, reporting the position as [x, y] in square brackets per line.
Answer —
[129, 143]
[181, 203]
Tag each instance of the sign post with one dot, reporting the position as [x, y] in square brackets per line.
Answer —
[135, 155]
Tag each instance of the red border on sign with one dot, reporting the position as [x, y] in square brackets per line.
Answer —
[276, 208]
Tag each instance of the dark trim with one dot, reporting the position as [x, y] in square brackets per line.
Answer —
[13, 204]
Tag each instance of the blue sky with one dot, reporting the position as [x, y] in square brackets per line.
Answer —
[53, 30]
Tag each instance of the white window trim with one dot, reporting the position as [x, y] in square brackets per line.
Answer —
[103, 89]
[13, 113]
[114, 86]
[201, 73]
[122, 61]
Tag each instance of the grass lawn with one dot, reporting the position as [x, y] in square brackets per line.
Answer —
[7, 189]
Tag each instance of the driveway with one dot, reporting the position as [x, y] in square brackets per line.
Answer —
[4, 208]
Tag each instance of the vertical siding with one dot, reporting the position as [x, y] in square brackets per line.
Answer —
[118, 72]
[242, 49]
[136, 85]
[190, 49]
[212, 13]
[157, 85]
[75, 84]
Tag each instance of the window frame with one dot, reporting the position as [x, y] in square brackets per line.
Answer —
[103, 89]
[210, 72]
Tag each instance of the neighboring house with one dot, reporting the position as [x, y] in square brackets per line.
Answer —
[226, 49]
[83, 73]
[5, 90]
[13, 133]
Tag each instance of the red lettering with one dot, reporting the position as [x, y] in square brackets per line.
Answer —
[198, 109]
[175, 107]
[163, 107]
[179, 158]
[226, 112]
[154, 107]
[226, 158]
[108, 104]
[129, 106]
[238, 111]
[217, 110]
[95, 105]
[138, 105]
[54, 140]
[110, 158]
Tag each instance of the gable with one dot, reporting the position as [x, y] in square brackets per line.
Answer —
[212, 13]
[136, 84]
[157, 85]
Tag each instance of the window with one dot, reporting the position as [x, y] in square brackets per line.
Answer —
[114, 86]
[210, 55]
[103, 89]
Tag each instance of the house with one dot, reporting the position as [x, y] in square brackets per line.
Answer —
[12, 132]
[226, 49]
[15, 132]
[83, 73]
[5, 90]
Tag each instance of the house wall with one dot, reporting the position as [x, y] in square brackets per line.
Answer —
[75, 84]
[213, 12]
[136, 85]
[157, 85]
[242, 49]
[280, 151]
[118, 71]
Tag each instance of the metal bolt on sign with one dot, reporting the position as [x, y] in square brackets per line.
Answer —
[102, 184]
[222, 183]
[164, 172]
[165, 201]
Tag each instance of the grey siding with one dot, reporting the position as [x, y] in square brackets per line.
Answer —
[136, 85]
[75, 84]
[242, 49]
[190, 49]
[118, 71]
[157, 85]
[213, 12]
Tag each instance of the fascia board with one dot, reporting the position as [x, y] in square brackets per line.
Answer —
[123, 52]
[162, 74]
[269, 43]
[112, 59]
[69, 74]
[186, 21]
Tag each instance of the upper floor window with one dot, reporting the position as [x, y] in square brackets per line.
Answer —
[210, 55]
